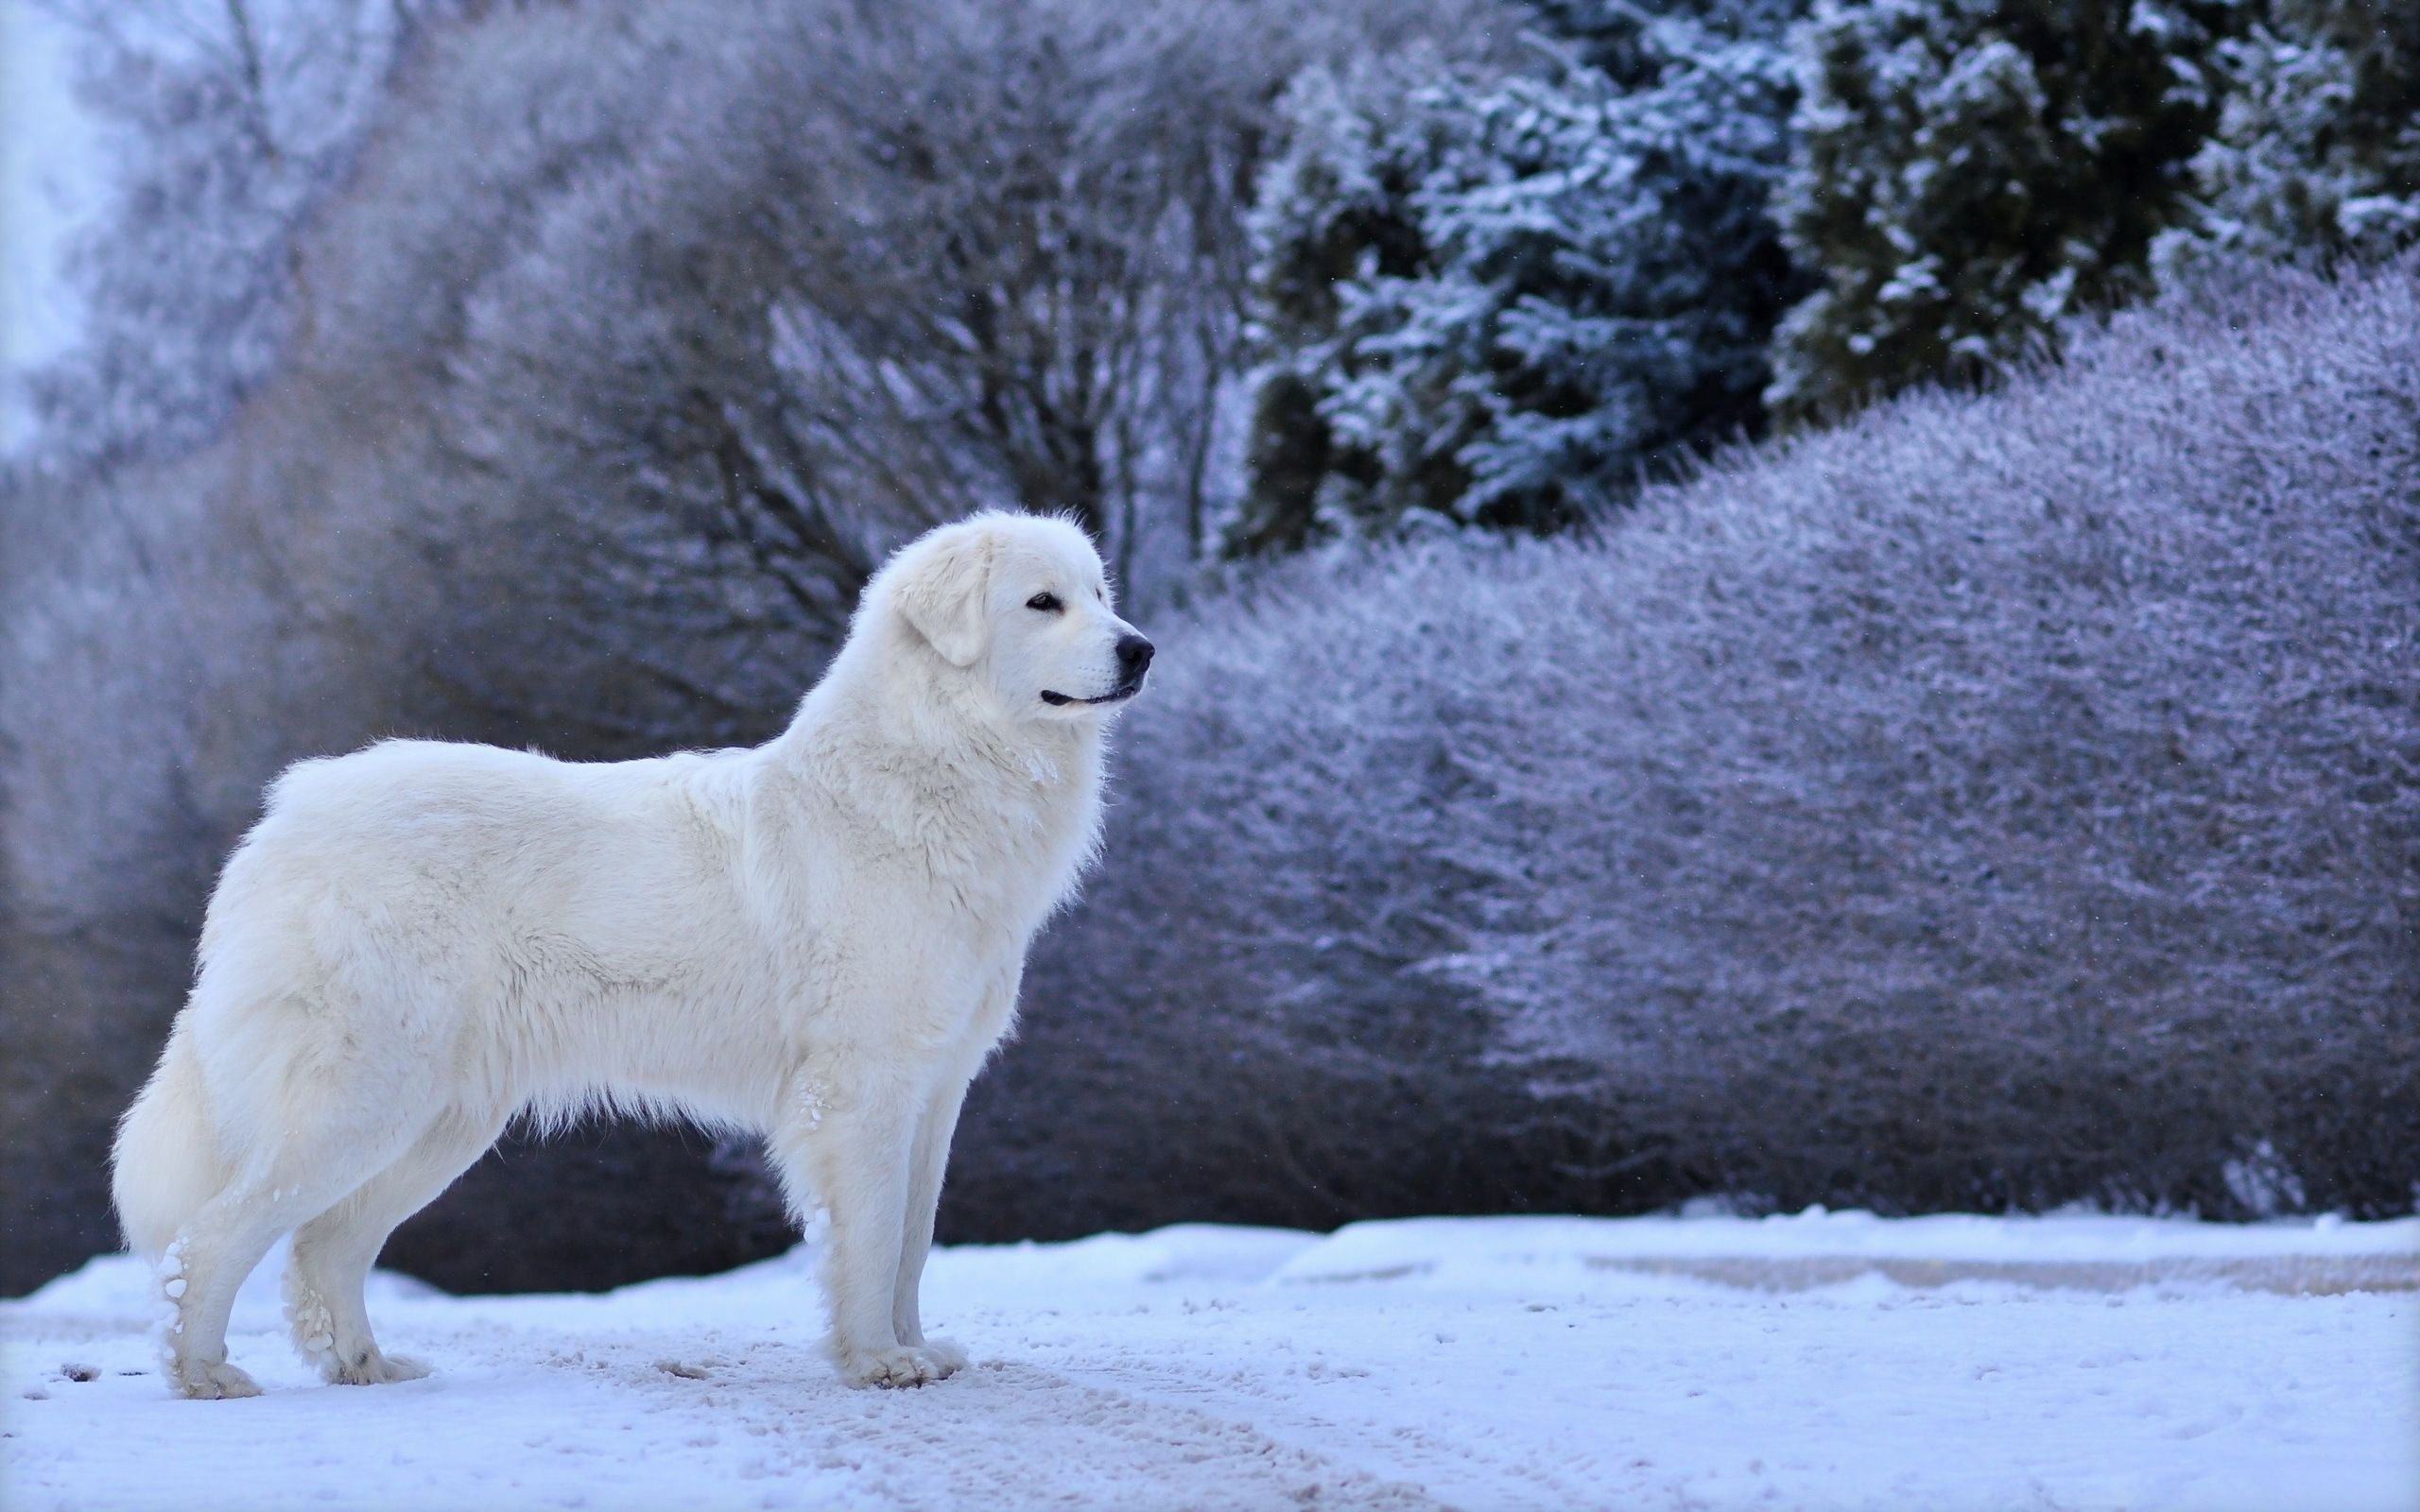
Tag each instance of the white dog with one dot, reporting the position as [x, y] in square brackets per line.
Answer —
[819, 938]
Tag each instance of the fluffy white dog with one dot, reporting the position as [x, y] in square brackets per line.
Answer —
[819, 938]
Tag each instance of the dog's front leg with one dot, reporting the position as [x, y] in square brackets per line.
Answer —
[931, 1161]
[855, 1151]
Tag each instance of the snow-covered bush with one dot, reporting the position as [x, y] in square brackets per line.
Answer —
[2317, 147]
[1485, 300]
[2000, 800]
[1969, 172]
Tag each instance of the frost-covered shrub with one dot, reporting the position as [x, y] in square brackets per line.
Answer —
[2317, 146]
[1968, 172]
[1484, 300]
[2002, 800]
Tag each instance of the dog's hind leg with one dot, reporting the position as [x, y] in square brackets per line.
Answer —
[210, 1257]
[332, 1254]
[323, 1126]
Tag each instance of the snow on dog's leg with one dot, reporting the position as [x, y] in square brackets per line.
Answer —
[193, 1321]
[928, 1163]
[332, 1254]
[853, 1152]
[208, 1260]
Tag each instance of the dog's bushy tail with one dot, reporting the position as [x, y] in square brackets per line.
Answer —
[167, 1162]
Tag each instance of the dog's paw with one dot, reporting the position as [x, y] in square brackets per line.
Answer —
[370, 1368]
[893, 1365]
[210, 1382]
[947, 1357]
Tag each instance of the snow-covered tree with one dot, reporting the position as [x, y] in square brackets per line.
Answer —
[225, 120]
[1968, 172]
[1333, 211]
[1613, 36]
[1492, 300]
[2317, 147]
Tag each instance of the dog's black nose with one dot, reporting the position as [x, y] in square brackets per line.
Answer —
[1134, 656]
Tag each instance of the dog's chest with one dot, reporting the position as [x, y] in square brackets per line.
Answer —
[946, 866]
[1005, 852]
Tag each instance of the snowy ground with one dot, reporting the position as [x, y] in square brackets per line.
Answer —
[1816, 1361]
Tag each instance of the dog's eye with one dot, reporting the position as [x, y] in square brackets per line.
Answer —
[1047, 603]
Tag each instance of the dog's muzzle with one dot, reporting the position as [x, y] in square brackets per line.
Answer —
[1133, 661]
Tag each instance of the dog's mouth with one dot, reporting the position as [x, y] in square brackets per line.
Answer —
[1117, 694]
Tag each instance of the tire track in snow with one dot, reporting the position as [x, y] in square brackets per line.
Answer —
[1422, 1454]
[999, 1432]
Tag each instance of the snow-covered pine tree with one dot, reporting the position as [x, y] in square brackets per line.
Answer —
[2317, 146]
[1610, 35]
[1334, 207]
[1488, 300]
[1968, 171]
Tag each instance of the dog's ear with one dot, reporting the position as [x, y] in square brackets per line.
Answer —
[942, 593]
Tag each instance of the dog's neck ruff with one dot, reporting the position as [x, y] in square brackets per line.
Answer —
[924, 765]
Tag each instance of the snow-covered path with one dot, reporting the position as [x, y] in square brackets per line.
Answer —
[1947, 1362]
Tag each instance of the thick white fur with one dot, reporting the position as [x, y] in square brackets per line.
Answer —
[819, 938]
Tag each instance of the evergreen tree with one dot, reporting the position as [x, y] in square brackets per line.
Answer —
[2317, 141]
[1611, 36]
[1969, 171]
[1490, 302]
[1334, 208]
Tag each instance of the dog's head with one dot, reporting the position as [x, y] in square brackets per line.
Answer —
[1019, 602]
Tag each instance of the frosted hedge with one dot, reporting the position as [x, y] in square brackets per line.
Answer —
[1998, 802]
